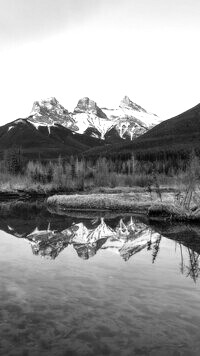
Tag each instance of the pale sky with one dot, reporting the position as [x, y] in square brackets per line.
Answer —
[103, 49]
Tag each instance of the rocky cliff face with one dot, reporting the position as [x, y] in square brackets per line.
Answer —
[49, 113]
[128, 121]
[90, 119]
[86, 105]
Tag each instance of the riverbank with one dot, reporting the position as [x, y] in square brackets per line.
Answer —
[162, 206]
[132, 201]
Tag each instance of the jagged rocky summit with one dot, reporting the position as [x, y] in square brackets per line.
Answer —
[50, 113]
[127, 121]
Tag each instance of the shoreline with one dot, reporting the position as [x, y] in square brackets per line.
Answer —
[135, 200]
[165, 209]
[40, 192]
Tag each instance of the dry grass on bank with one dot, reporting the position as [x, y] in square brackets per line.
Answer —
[64, 182]
[93, 202]
[132, 201]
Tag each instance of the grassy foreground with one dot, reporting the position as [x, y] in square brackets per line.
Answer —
[165, 204]
[134, 201]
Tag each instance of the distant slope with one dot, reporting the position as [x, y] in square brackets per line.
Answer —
[46, 142]
[181, 132]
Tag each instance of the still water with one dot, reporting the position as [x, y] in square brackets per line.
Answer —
[82, 284]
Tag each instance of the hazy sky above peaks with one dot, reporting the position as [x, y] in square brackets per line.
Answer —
[104, 49]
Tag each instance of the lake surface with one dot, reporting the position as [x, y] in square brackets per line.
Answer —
[82, 284]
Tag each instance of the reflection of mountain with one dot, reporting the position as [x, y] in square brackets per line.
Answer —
[47, 243]
[88, 241]
[131, 238]
[125, 236]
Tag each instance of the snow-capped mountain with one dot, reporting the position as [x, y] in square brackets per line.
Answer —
[131, 120]
[128, 121]
[91, 119]
[49, 113]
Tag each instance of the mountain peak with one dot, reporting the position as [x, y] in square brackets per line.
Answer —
[87, 105]
[52, 100]
[128, 121]
[126, 102]
[47, 104]
[50, 112]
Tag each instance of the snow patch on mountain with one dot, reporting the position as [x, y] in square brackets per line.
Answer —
[10, 128]
[130, 111]
[129, 120]
[89, 120]
[39, 124]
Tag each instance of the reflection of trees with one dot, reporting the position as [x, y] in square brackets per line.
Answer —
[193, 268]
[182, 266]
[156, 248]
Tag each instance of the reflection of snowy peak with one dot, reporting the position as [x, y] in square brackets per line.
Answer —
[126, 239]
[83, 235]
[47, 243]
[128, 121]
[131, 238]
[131, 247]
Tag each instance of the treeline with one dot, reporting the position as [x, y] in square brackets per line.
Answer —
[164, 160]
[79, 173]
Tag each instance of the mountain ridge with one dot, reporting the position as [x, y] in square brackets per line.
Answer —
[53, 130]
[129, 120]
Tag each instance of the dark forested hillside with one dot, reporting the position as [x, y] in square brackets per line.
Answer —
[44, 142]
[174, 137]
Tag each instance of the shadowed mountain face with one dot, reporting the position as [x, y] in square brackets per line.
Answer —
[183, 130]
[44, 141]
[87, 105]
[49, 234]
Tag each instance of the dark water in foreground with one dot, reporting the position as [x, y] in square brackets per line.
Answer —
[85, 285]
